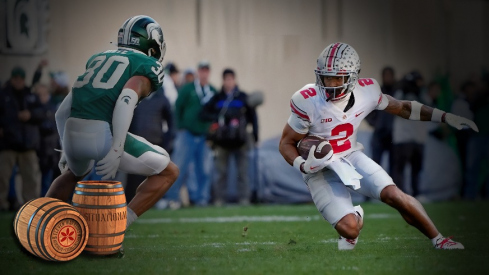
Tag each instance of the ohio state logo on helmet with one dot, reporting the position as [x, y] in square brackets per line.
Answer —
[338, 60]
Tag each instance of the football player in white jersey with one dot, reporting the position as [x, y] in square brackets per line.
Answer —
[333, 108]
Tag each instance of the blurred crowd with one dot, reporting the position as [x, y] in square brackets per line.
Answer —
[403, 142]
[208, 130]
[211, 133]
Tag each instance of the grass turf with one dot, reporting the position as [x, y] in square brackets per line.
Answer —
[191, 241]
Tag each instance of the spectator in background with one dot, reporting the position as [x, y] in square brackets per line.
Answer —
[230, 114]
[188, 76]
[463, 106]
[171, 83]
[477, 172]
[152, 120]
[48, 158]
[382, 122]
[21, 114]
[190, 144]
[408, 136]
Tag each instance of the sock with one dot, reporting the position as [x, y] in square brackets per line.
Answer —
[131, 217]
[435, 239]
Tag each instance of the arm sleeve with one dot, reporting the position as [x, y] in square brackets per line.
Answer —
[299, 120]
[382, 102]
[62, 115]
[379, 99]
[122, 116]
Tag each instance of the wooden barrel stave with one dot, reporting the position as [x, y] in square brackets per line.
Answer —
[103, 205]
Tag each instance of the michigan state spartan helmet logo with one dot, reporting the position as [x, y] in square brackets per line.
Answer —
[144, 34]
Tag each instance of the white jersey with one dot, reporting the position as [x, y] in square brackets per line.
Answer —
[313, 115]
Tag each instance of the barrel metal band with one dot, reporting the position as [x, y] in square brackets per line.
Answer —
[43, 247]
[99, 193]
[16, 222]
[99, 206]
[106, 235]
[103, 246]
[107, 186]
[30, 222]
[42, 233]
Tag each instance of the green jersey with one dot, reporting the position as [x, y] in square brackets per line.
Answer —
[95, 92]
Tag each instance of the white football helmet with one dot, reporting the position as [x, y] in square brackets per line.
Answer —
[338, 59]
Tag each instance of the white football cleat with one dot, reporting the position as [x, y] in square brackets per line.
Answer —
[349, 244]
[447, 243]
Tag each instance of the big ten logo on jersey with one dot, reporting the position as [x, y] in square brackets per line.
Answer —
[308, 93]
[158, 70]
[326, 120]
[24, 27]
[365, 82]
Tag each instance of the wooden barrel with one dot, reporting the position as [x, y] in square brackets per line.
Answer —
[51, 229]
[103, 205]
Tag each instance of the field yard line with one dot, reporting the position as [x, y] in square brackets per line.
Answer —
[233, 219]
[274, 218]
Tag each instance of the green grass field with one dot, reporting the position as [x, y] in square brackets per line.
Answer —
[279, 240]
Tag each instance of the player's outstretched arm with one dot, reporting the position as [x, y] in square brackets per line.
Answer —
[135, 88]
[414, 110]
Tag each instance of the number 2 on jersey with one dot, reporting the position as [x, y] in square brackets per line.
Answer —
[341, 144]
[308, 93]
[122, 61]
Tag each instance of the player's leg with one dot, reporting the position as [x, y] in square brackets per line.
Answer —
[242, 162]
[201, 173]
[7, 163]
[221, 176]
[63, 186]
[377, 184]
[333, 201]
[31, 175]
[153, 188]
[143, 158]
[181, 157]
[84, 141]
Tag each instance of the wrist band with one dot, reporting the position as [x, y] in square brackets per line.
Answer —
[415, 110]
[437, 115]
[298, 161]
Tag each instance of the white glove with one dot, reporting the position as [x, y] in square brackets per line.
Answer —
[314, 165]
[109, 164]
[346, 171]
[62, 164]
[459, 122]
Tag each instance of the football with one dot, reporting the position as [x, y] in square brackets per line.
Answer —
[307, 142]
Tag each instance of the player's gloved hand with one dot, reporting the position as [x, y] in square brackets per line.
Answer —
[314, 165]
[459, 122]
[62, 164]
[346, 171]
[107, 167]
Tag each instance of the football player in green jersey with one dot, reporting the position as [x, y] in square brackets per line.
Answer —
[94, 119]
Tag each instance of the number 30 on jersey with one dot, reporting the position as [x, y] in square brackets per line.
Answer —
[122, 63]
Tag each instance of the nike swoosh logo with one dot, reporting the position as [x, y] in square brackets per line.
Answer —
[358, 114]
